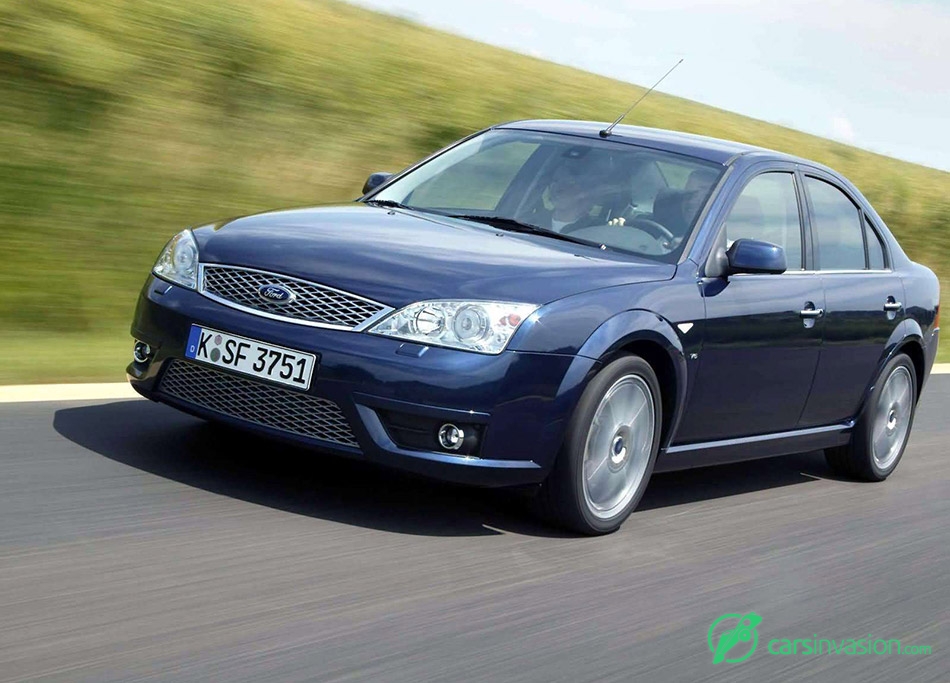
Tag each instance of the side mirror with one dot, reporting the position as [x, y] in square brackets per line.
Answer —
[375, 180]
[755, 256]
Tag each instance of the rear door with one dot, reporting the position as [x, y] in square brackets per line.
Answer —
[863, 300]
[763, 332]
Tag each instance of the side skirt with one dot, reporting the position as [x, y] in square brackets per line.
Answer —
[686, 456]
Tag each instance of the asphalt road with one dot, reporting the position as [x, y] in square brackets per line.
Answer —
[139, 543]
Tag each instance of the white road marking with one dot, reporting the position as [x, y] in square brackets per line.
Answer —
[31, 393]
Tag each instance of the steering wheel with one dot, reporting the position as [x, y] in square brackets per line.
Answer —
[653, 228]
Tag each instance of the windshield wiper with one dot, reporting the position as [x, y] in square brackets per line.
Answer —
[387, 203]
[513, 225]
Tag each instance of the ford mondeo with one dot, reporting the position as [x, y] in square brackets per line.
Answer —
[550, 305]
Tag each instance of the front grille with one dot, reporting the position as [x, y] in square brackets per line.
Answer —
[263, 404]
[312, 303]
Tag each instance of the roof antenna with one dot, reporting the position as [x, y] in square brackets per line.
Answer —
[606, 131]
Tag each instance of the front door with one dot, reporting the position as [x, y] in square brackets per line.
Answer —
[763, 333]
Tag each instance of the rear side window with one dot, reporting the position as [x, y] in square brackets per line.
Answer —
[767, 210]
[876, 260]
[837, 226]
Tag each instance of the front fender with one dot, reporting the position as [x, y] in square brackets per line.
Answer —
[653, 337]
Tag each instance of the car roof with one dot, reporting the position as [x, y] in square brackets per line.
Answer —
[699, 146]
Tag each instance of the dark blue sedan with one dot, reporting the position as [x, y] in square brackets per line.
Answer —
[543, 304]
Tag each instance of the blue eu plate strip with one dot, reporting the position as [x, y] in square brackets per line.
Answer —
[194, 337]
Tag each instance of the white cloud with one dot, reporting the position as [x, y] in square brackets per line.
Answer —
[842, 129]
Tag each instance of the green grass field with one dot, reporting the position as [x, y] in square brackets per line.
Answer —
[122, 121]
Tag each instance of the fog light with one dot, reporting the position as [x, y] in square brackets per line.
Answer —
[451, 437]
[141, 352]
[423, 433]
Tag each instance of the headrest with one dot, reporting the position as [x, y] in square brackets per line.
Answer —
[701, 179]
[668, 210]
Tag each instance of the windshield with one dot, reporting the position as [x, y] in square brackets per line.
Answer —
[599, 192]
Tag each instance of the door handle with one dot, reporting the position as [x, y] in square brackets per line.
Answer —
[892, 305]
[812, 312]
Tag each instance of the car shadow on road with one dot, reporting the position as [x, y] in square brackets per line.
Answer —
[164, 442]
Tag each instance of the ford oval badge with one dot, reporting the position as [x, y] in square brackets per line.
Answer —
[276, 294]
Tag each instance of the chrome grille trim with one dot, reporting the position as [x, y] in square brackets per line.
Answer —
[315, 304]
[271, 406]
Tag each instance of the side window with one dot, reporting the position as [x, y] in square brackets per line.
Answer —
[767, 210]
[838, 227]
[876, 260]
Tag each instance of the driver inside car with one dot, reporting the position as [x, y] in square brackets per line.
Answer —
[578, 186]
[587, 193]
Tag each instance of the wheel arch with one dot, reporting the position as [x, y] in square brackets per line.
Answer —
[906, 338]
[915, 350]
[653, 338]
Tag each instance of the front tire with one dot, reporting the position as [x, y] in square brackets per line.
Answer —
[883, 429]
[609, 450]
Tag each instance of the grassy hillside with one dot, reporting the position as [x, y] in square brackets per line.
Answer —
[122, 121]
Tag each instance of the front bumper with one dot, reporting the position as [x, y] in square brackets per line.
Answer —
[520, 401]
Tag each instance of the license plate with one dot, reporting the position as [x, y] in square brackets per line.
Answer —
[251, 357]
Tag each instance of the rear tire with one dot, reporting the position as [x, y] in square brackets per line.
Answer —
[609, 450]
[881, 433]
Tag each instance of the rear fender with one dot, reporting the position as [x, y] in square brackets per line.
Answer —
[908, 331]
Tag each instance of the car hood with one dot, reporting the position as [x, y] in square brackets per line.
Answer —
[398, 256]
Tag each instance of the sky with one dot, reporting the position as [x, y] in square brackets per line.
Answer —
[871, 73]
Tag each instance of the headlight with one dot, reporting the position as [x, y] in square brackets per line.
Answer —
[482, 326]
[178, 261]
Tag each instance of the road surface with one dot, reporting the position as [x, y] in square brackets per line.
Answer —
[137, 543]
